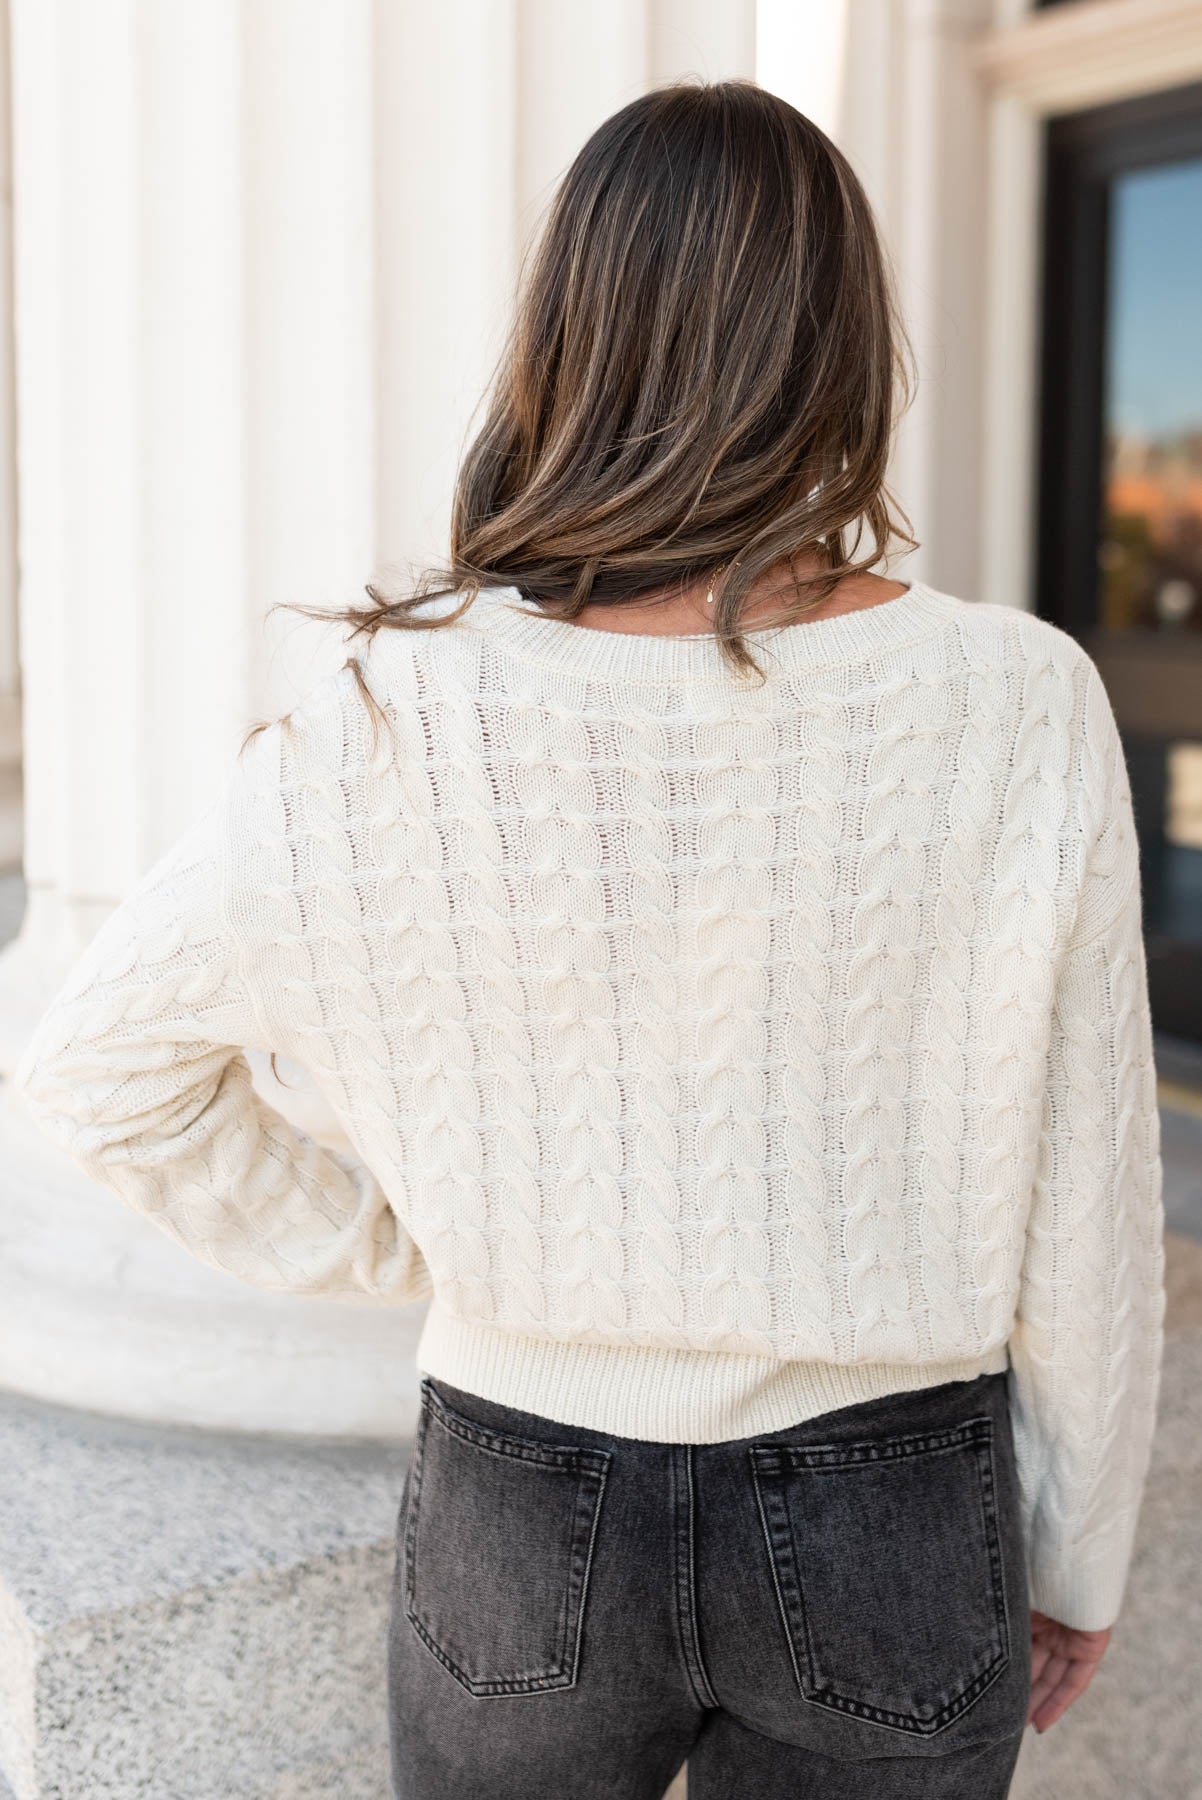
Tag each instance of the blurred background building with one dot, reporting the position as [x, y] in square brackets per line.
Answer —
[256, 261]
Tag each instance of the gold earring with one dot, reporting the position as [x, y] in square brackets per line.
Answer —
[709, 594]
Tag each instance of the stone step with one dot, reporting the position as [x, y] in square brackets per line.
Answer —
[189, 1613]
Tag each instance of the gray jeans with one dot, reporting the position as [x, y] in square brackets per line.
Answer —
[836, 1610]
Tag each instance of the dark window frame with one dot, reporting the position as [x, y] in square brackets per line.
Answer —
[1083, 152]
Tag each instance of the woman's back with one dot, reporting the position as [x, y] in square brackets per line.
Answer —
[721, 1053]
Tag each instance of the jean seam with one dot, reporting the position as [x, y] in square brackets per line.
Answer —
[599, 1479]
[704, 1673]
[682, 1546]
[771, 1457]
[993, 1537]
[518, 1449]
[780, 1598]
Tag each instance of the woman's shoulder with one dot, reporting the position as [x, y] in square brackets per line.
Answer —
[313, 733]
[1015, 631]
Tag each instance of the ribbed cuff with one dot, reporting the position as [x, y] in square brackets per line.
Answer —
[1086, 1595]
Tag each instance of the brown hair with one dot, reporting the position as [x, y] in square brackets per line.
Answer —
[702, 374]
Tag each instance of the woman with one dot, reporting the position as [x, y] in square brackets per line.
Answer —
[727, 964]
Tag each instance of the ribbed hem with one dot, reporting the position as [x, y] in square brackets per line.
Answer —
[506, 615]
[662, 1395]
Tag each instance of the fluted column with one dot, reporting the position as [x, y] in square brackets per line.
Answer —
[264, 255]
[910, 112]
[194, 348]
[10, 717]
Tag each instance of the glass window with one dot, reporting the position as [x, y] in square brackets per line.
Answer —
[1151, 548]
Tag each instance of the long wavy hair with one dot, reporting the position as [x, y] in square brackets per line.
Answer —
[701, 379]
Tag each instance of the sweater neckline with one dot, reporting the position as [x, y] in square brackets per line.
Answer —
[506, 615]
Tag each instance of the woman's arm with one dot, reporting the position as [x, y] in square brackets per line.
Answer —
[136, 1070]
[1086, 1351]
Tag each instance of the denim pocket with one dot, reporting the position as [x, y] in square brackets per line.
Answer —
[886, 1556]
[499, 1539]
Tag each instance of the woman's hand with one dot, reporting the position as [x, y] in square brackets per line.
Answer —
[1063, 1661]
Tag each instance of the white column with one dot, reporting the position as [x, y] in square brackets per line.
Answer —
[713, 39]
[1010, 355]
[10, 699]
[445, 97]
[195, 349]
[264, 261]
[924, 134]
[893, 83]
[499, 95]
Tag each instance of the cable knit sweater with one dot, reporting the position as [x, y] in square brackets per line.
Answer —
[714, 1053]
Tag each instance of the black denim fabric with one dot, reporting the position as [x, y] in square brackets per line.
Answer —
[838, 1609]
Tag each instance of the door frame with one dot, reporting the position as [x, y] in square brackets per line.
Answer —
[1083, 152]
[1038, 64]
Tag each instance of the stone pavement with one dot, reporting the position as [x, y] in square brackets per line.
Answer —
[191, 1615]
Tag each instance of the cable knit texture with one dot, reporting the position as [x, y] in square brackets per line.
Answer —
[714, 1053]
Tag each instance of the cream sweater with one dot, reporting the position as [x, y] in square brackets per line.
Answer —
[714, 1054]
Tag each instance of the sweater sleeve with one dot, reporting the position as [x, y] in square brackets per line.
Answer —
[1086, 1351]
[136, 1070]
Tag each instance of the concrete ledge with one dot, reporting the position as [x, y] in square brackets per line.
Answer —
[191, 1613]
